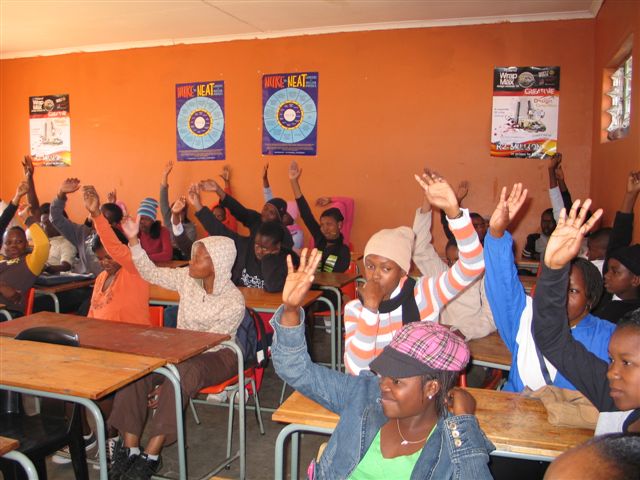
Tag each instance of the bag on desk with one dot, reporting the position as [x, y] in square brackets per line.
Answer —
[565, 408]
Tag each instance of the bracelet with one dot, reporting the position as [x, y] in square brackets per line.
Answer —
[460, 213]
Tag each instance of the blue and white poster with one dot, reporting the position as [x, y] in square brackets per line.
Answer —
[200, 121]
[290, 113]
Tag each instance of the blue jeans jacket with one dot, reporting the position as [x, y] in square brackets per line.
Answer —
[457, 449]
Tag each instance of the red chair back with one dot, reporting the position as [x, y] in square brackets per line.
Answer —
[31, 295]
[156, 315]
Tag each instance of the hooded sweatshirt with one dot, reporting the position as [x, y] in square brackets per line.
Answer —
[222, 310]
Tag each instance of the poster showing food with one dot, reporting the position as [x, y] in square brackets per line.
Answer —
[200, 121]
[50, 130]
[525, 111]
[290, 113]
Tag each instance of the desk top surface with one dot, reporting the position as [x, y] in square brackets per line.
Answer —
[255, 298]
[172, 264]
[63, 287]
[76, 371]
[512, 422]
[333, 279]
[170, 344]
[7, 445]
[490, 349]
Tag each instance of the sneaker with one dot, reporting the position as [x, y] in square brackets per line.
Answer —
[143, 468]
[121, 461]
[94, 459]
[63, 455]
[218, 397]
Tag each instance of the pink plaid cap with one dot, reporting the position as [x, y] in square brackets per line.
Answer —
[420, 348]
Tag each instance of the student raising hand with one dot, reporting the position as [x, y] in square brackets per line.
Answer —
[131, 229]
[70, 185]
[506, 209]
[439, 193]
[294, 171]
[298, 283]
[564, 243]
[194, 196]
[177, 208]
[91, 200]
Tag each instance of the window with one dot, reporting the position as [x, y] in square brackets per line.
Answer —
[620, 94]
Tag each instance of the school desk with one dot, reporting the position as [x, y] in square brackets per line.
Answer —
[516, 425]
[72, 374]
[9, 450]
[172, 264]
[169, 344]
[53, 290]
[490, 351]
[528, 282]
[528, 264]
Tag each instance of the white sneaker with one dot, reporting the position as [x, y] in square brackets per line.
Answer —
[95, 458]
[218, 397]
[63, 456]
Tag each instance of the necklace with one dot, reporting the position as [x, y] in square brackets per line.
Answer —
[407, 442]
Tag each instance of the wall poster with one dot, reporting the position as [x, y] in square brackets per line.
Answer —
[290, 114]
[200, 121]
[525, 111]
[50, 130]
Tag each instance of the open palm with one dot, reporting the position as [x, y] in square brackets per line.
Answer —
[507, 208]
[299, 281]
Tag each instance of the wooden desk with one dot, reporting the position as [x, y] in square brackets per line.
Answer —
[490, 351]
[516, 425]
[53, 290]
[528, 264]
[72, 374]
[528, 282]
[170, 344]
[9, 449]
[172, 264]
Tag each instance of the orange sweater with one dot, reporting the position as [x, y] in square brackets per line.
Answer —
[127, 298]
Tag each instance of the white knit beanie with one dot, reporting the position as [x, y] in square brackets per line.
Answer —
[393, 243]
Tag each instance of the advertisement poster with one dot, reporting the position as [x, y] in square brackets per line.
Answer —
[290, 114]
[525, 111]
[200, 121]
[50, 130]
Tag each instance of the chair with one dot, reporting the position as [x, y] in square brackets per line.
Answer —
[252, 377]
[156, 315]
[31, 295]
[43, 434]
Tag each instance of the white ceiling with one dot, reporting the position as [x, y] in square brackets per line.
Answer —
[52, 27]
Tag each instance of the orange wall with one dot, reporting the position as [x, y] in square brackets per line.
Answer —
[390, 102]
[612, 161]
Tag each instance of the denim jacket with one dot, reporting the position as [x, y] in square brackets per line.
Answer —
[457, 449]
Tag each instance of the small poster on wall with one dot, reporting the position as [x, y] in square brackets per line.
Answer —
[50, 130]
[525, 111]
[200, 121]
[290, 113]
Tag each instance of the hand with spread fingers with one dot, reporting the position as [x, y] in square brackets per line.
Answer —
[506, 209]
[439, 193]
[299, 281]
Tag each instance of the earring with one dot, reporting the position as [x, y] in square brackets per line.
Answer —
[430, 397]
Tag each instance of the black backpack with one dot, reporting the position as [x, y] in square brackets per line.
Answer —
[253, 339]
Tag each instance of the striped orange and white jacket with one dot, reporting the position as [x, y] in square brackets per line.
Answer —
[367, 332]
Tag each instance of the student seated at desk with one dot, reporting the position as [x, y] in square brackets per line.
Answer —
[390, 298]
[209, 302]
[536, 242]
[395, 420]
[512, 308]
[62, 253]
[261, 260]
[291, 215]
[614, 386]
[326, 235]
[119, 294]
[154, 237]
[165, 210]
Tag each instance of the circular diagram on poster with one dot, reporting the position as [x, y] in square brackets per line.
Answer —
[290, 115]
[200, 122]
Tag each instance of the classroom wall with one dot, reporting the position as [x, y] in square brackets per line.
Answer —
[616, 23]
[390, 103]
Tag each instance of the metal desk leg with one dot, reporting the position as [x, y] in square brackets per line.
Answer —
[6, 314]
[171, 373]
[23, 460]
[54, 297]
[90, 406]
[338, 323]
[328, 303]
[282, 437]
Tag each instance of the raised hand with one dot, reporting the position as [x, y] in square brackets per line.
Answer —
[176, 209]
[226, 174]
[633, 182]
[91, 200]
[21, 191]
[70, 185]
[299, 281]
[24, 212]
[27, 166]
[631, 193]
[265, 175]
[506, 209]
[194, 196]
[462, 191]
[555, 161]
[565, 241]
[131, 228]
[112, 196]
[209, 185]
[461, 402]
[323, 201]
[439, 193]
[294, 171]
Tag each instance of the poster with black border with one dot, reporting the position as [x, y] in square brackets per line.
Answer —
[290, 113]
[50, 130]
[525, 111]
[200, 121]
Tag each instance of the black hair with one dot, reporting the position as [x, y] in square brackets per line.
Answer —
[45, 208]
[601, 233]
[621, 451]
[549, 211]
[473, 215]
[114, 210]
[630, 320]
[447, 380]
[272, 230]
[334, 213]
[96, 244]
[451, 243]
[156, 229]
[592, 280]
